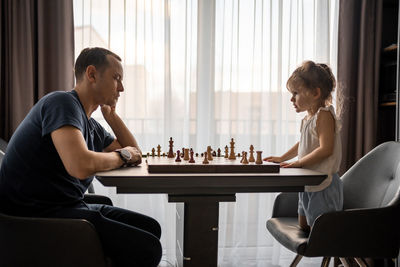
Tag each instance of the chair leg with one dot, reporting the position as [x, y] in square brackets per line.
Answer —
[325, 261]
[361, 262]
[345, 262]
[296, 260]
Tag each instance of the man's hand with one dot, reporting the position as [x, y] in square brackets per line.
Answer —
[136, 155]
[107, 111]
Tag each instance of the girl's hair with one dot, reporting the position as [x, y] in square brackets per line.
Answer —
[311, 76]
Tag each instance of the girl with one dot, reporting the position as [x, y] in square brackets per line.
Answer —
[319, 147]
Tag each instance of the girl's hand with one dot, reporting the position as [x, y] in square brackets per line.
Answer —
[273, 159]
[294, 164]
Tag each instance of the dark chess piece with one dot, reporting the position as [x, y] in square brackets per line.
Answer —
[170, 151]
[191, 160]
[178, 156]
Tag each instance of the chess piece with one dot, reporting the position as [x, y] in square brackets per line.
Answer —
[205, 161]
[191, 160]
[158, 151]
[201, 154]
[170, 151]
[238, 155]
[197, 154]
[241, 160]
[148, 154]
[163, 154]
[209, 153]
[186, 157]
[178, 156]
[183, 152]
[245, 161]
[219, 152]
[259, 158]
[153, 152]
[251, 158]
[226, 152]
[232, 154]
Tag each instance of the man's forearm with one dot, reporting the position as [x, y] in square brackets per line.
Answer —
[124, 136]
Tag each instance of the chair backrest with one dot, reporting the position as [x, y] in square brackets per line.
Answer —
[3, 147]
[375, 179]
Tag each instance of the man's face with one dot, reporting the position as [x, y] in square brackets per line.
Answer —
[109, 83]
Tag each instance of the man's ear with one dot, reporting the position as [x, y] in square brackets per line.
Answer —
[91, 73]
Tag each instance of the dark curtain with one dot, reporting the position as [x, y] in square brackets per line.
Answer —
[358, 76]
[37, 55]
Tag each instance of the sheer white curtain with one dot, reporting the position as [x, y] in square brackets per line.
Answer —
[204, 72]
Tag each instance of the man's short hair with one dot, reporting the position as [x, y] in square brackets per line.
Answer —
[96, 56]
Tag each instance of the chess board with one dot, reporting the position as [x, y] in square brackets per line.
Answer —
[217, 165]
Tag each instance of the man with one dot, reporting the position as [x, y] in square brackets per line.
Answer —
[58, 147]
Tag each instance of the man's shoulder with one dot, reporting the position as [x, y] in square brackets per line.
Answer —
[59, 96]
[60, 99]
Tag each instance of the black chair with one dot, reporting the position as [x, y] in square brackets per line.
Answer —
[368, 226]
[46, 242]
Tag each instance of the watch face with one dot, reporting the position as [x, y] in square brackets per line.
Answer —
[126, 154]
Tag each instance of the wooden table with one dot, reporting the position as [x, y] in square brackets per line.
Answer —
[199, 195]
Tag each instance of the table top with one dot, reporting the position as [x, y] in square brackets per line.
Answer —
[138, 180]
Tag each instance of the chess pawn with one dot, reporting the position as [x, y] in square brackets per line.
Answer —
[209, 153]
[241, 160]
[158, 151]
[191, 160]
[251, 158]
[219, 152]
[239, 155]
[259, 158]
[226, 152]
[186, 156]
[153, 152]
[183, 152]
[163, 154]
[148, 154]
[245, 161]
[205, 161]
[178, 156]
[197, 154]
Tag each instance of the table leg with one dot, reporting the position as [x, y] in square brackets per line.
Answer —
[197, 233]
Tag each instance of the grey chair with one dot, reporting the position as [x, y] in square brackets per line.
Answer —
[46, 242]
[368, 226]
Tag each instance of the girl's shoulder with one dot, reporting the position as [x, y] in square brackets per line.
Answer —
[325, 111]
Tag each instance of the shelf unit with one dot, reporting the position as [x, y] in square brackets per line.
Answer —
[388, 83]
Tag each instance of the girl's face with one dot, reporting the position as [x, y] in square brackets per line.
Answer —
[303, 100]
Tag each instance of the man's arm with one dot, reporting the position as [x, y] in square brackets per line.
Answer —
[78, 160]
[124, 136]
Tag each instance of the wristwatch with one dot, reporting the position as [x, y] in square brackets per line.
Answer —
[125, 155]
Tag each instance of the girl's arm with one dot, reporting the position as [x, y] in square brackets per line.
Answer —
[326, 136]
[291, 153]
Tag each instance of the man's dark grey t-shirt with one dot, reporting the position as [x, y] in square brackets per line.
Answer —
[33, 179]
